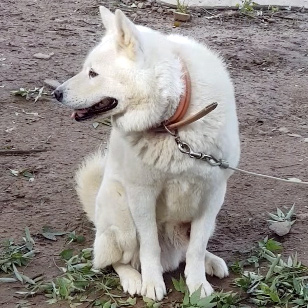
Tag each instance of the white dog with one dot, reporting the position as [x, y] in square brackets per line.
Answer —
[153, 206]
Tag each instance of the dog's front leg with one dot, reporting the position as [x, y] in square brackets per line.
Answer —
[142, 203]
[202, 228]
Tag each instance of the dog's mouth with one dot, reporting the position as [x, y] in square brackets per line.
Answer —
[103, 106]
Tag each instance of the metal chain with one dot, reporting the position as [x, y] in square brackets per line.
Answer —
[185, 148]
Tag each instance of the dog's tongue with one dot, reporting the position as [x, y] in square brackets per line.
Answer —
[79, 113]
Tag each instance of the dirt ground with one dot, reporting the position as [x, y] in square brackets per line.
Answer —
[269, 64]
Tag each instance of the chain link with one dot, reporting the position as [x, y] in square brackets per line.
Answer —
[185, 148]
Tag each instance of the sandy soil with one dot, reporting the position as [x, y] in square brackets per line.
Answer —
[269, 64]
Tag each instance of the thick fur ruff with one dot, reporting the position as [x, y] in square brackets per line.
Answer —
[153, 206]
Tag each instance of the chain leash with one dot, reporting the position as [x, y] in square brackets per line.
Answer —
[185, 148]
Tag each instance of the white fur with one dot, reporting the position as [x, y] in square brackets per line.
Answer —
[154, 207]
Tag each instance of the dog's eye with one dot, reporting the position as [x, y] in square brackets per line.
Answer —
[92, 74]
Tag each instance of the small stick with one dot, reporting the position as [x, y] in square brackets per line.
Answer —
[21, 152]
[206, 11]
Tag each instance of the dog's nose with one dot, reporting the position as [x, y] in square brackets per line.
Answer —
[58, 94]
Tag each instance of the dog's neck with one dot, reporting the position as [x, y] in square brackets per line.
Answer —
[183, 105]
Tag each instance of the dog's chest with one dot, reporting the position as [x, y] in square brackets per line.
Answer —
[180, 200]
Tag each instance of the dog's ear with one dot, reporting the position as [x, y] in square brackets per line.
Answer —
[107, 17]
[128, 38]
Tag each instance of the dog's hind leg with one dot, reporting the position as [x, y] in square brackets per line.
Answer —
[116, 238]
[129, 277]
[215, 266]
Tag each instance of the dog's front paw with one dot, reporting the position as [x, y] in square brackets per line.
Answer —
[131, 283]
[193, 285]
[153, 287]
[215, 266]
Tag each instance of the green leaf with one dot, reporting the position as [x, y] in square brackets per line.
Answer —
[186, 299]
[27, 279]
[7, 279]
[195, 297]
[273, 245]
[17, 274]
[207, 302]
[14, 172]
[290, 213]
[107, 304]
[131, 301]
[280, 212]
[176, 284]
[52, 301]
[67, 254]
[50, 234]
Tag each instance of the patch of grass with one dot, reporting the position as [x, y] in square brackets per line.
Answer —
[217, 299]
[13, 255]
[106, 122]
[247, 7]
[34, 94]
[80, 282]
[181, 6]
[264, 278]
[26, 173]
[281, 216]
[275, 281]
[73, 237]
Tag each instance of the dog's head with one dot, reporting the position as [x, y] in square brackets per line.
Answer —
[123, 77]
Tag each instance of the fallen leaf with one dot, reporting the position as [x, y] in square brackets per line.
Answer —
[44, 56]
[95, 124]
[295, 135]
[67, 254]
[50, 234]
[14, 172]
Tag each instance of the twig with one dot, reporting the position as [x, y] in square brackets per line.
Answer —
[206, 11]
[224, 14]
[287, 17]
[21, 152]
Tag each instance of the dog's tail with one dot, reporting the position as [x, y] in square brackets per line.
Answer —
[88, 178]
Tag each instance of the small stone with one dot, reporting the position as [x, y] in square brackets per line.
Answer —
[160, 10]
[52, 83]
[44, 56]
[148, 4]
[141, 5]
[306, 140]
[134, 16]
[283, 130]
[271, 20]
[60, 21]
[295, 135]
[281, 228]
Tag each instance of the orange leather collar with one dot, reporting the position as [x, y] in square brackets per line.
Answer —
[184, 101]
[177, 121]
